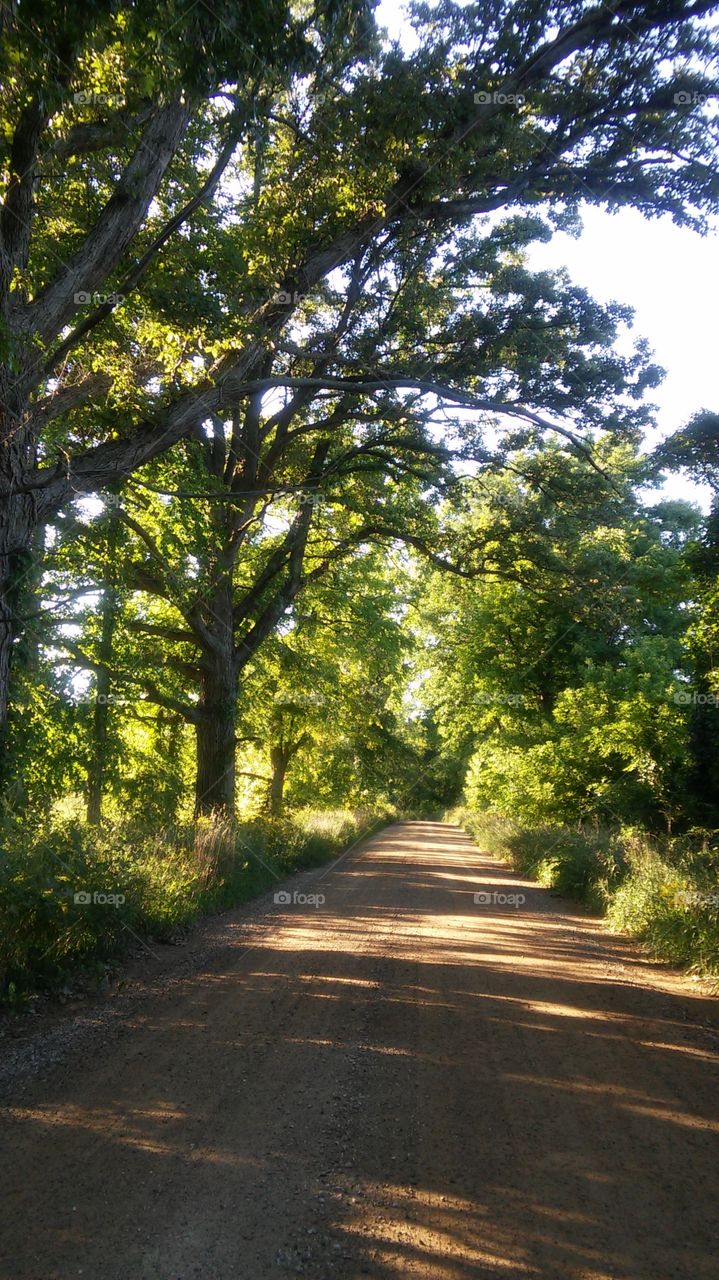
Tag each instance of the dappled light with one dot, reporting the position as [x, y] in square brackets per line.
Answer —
[456, 1087]
[359, 690]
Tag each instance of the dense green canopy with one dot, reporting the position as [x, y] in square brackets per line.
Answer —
[287, 417]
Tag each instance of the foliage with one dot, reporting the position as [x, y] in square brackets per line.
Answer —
[556, 676]
[664, 892]
[308, 483]
[156, 883]
[583, 862]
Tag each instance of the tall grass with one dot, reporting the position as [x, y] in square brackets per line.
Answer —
[663, 892]
[72, 897]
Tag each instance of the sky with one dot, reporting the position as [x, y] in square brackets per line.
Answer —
[669, 275]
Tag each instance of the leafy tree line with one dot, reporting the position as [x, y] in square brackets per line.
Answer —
[574, 677]
[268, 328]
[574, 690]
[570, 683]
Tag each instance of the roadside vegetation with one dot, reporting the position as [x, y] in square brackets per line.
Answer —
[664, 891]
[575, 692]
[73, 899]
[317, 500]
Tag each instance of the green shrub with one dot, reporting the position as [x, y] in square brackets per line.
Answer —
[671, 906]
[135, 882]
[583, 864]
[664, 892]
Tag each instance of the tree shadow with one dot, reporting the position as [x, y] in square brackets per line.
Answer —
[401, 1081]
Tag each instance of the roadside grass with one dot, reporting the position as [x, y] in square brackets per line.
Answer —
[73, 898]
[663, 891]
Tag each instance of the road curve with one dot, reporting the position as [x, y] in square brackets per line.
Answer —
[398, 1081]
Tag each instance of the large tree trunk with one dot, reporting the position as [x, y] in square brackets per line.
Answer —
[217, 710]
[18, 525]
[18, 577]
[279, 760]
[216, 742]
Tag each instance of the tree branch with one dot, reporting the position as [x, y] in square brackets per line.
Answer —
[116, 227]
[134, 275]
[95, 135]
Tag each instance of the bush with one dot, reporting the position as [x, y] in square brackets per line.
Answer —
[583, 864]
[72, 897]
[324, 831]
[671, 905]
[664, 892]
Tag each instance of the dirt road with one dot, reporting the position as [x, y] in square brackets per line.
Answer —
[398, 1082]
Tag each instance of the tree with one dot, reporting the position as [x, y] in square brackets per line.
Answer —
[693, 449]
[110, 114]
[322, 701]
[257, 507]
[554, 678]
[373, 154]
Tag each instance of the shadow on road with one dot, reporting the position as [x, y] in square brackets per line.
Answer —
[402, 1081]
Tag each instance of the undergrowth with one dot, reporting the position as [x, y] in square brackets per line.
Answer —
[665, 892]
[72, 898]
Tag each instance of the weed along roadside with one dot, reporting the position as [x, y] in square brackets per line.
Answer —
[662, 891]
[161, 885]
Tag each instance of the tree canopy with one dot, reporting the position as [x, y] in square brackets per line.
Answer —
[272, 350]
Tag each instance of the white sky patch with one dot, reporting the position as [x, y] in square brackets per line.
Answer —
[275, 522]
[393, 17]
[670, 276]
[91, 507]
[275, 399]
